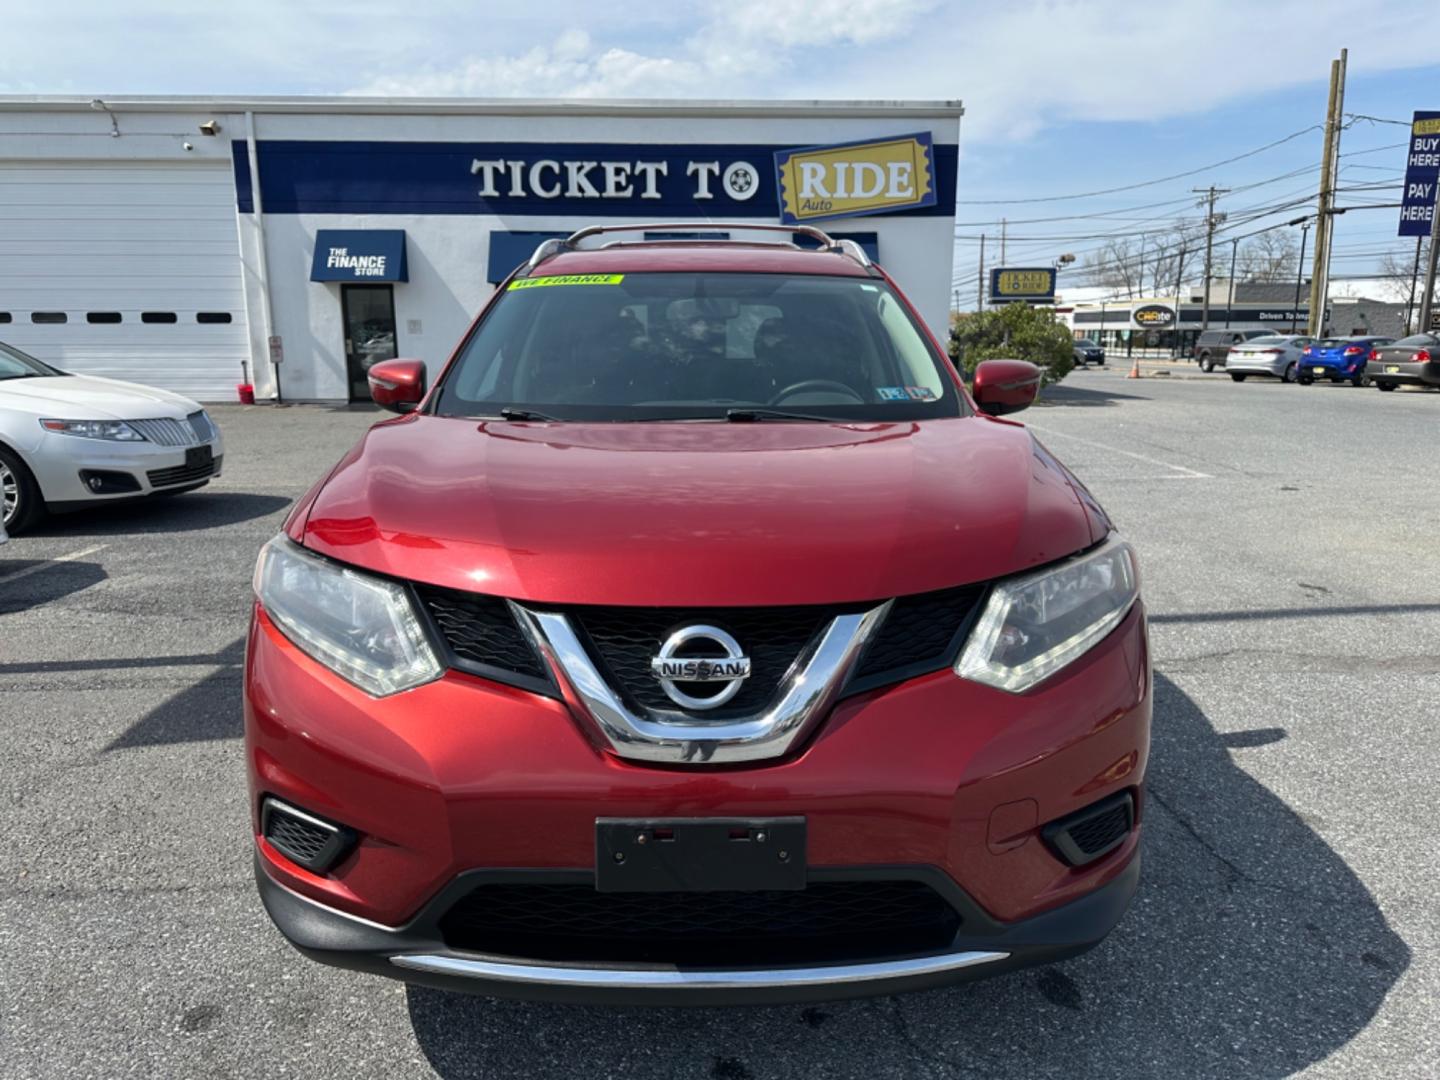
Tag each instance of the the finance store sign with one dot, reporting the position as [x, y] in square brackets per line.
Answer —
[897, 174]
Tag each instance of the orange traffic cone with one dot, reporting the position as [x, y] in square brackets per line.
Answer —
[1134, 369]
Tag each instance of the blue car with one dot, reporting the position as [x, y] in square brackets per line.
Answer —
[1338, 359]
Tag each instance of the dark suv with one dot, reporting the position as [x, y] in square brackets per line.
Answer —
[1212, 345]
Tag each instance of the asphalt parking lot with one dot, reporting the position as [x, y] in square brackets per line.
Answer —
[1286, 921]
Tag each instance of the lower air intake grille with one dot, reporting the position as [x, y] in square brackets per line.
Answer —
[1095, 831]
[312, 843]
[183, 474]
[832, 920]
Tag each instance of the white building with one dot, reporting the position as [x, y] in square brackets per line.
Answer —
[131, 243]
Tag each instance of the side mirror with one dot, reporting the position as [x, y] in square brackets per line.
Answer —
[398, 385]
[1005, 386]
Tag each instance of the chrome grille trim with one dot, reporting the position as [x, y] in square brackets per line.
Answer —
[164, 431]
[802, 699]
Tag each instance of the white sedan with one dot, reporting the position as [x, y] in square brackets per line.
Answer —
[73, 441]
[1277, 355]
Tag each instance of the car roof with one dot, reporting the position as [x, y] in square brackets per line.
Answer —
[726, 256]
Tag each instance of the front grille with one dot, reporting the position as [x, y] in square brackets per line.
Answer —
[166, 432]
[1097, 830]
[183, 474]
[919, 633]
[626, 639]
[480, 629]
[827, 921]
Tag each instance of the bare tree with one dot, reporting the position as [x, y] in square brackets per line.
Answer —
[1398, 271]
[1147, 265]
[1269, 257]
[1116, 266]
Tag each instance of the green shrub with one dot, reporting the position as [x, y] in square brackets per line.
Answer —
[1013, 332]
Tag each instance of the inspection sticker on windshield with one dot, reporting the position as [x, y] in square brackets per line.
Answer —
[568, 279]
[892, 393]
[920, 393]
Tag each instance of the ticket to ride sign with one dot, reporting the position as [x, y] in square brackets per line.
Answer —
[852, 179]
[1021, 283]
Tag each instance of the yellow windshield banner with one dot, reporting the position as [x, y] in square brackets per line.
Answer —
[873, 177]
[567, 279]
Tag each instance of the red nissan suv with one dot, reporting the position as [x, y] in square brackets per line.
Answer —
[696, 637]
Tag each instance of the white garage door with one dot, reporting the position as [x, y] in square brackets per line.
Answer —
[127, 270]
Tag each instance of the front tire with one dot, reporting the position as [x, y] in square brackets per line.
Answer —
[21, 505]
[1237, 378]
[1207, 365]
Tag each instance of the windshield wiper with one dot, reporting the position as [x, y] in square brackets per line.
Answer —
[751, 416]
[508, 413]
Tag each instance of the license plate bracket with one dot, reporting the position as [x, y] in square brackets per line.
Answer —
[699, 854]
[197, 457]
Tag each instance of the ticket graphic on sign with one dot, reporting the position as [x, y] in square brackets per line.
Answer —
[850, 179]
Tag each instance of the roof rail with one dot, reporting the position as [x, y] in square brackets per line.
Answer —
[548, 248]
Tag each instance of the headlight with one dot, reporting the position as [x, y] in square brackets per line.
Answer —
[1034, 625]
[361, 627]
[113, 430]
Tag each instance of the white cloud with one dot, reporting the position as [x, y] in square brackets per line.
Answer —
[1019, 65]
[570, 67]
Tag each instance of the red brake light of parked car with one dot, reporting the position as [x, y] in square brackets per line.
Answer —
[1276, 352]
[1353, 350]
[1374, 355]
[1421, 357]
[1307, 350]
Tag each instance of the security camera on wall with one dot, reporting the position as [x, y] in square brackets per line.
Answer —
[210, 127]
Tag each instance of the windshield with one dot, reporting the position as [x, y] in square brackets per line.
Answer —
[1331, 343]
[1086, 343]
[15, 364]
[680, 346]
[1267, 339]
[1418, 341]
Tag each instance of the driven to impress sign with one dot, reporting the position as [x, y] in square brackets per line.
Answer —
[1422, 166]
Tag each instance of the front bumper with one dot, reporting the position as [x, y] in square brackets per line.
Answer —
[1406, 374]
[463, 776]
[416, 952]
[58, 462]
[1251, 365]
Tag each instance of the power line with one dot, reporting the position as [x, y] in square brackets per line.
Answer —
[1143, 183]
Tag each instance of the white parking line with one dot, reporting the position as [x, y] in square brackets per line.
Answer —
[1181, 470]
[58, 558]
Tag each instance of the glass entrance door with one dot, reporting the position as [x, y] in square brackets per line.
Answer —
[369, 315]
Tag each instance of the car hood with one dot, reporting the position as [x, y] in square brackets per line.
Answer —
[697, 513]
[88, 397]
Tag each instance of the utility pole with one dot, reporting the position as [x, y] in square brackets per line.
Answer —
[980, 292]
[1230, 304]
[1179, 277]
[1323, 225]
[1211, 194]
[1002, 241]
[1299, 273]
[1414, 280]
[1427, 298]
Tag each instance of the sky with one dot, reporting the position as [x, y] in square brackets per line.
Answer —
[1061, 98]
